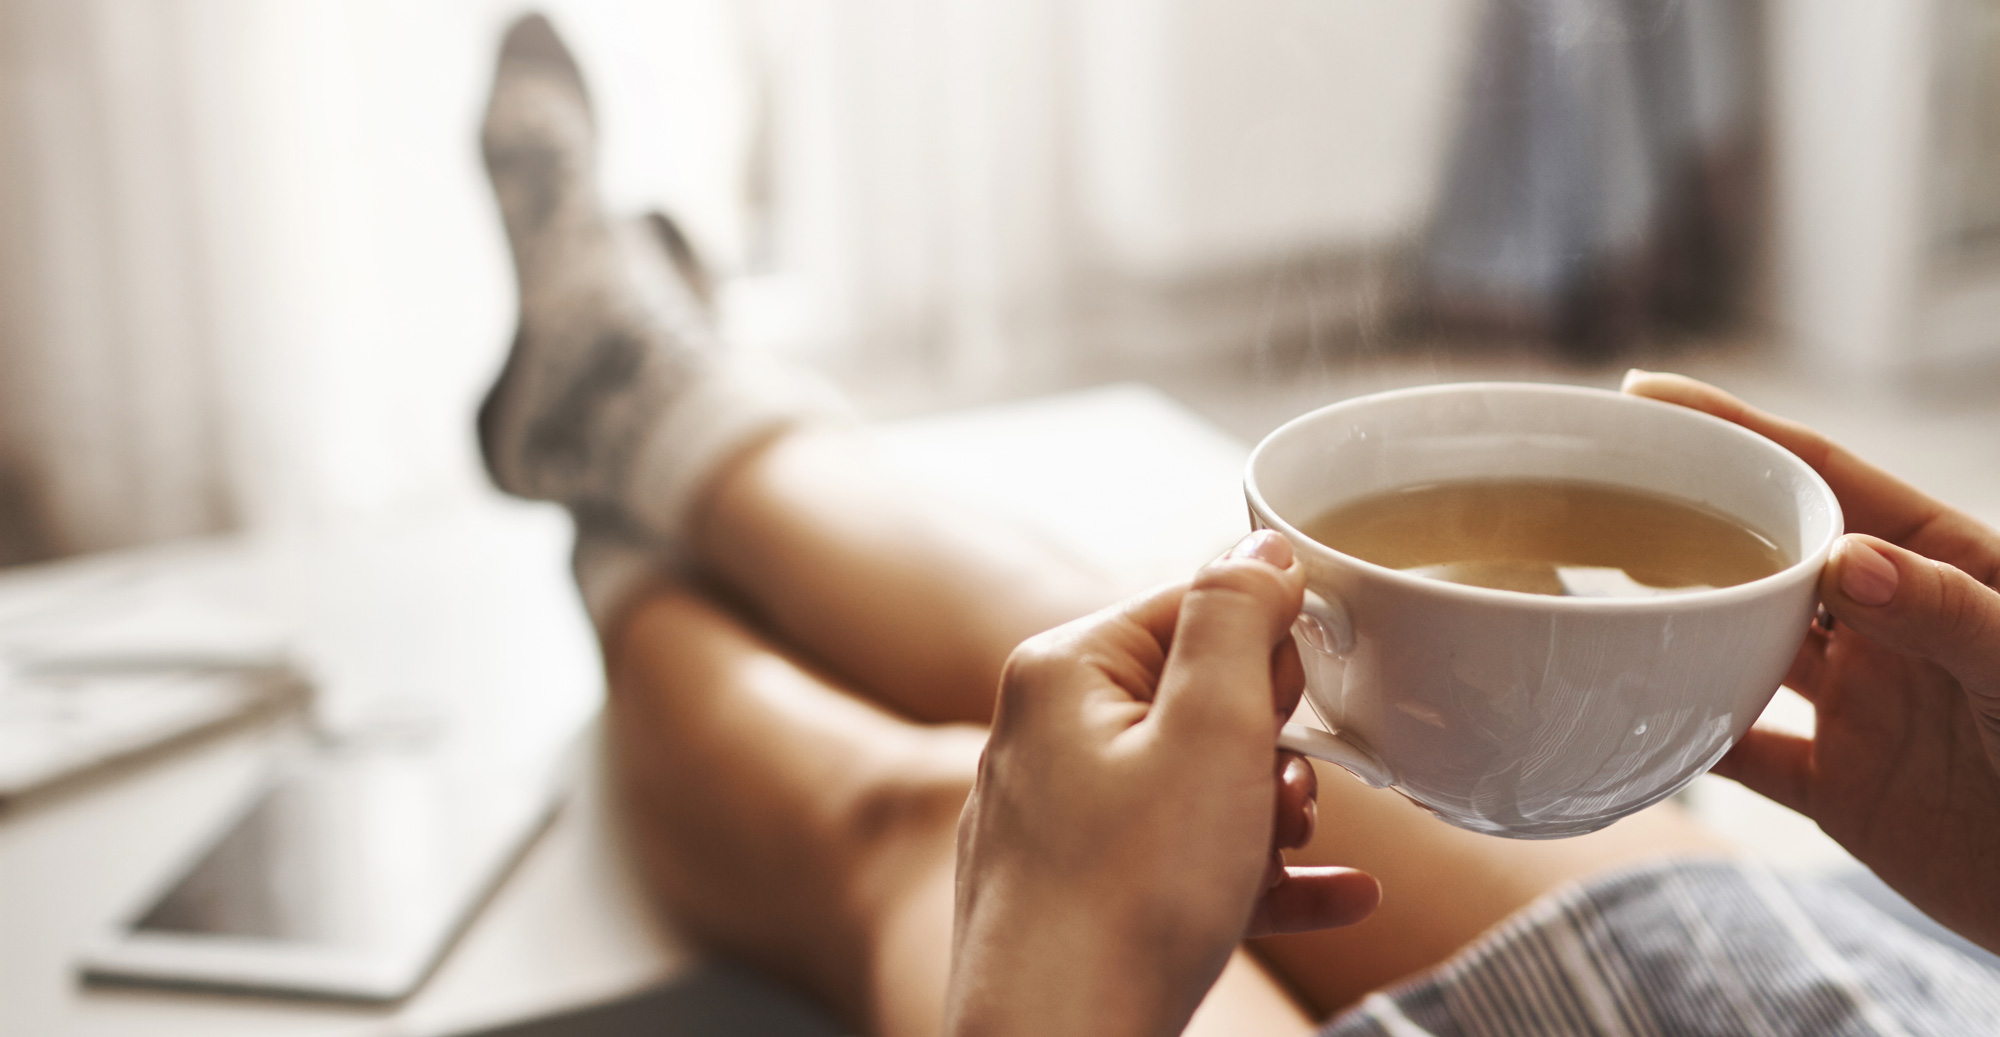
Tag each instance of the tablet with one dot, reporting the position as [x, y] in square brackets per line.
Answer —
[347, 877]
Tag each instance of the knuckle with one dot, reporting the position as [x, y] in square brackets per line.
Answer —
[1031, 658]
[1966, 609]
[1036, 666]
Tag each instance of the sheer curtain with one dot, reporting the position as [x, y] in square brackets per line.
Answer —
[1016, 191]
[249, 270]
[107, 377]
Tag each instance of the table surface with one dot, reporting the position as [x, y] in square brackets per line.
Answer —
[468, 617]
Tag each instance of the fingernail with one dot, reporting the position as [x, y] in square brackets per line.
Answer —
[1866, 577]
[1632, 375]
[1265, 545]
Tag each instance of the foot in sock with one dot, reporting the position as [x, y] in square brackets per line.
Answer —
[602, 340]
[615, 400]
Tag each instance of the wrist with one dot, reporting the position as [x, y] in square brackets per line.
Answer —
[1045, 966]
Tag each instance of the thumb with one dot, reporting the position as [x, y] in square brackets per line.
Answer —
[1217, 676]
[1921, 607]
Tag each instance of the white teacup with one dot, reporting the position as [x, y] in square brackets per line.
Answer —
[1523, 715]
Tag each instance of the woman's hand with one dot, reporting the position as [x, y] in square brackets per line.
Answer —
[1903, 767]
[1121, 838]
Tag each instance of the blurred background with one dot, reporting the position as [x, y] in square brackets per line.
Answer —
[251, 275]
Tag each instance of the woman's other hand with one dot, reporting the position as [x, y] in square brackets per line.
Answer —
[1903, 767]
[1123, 834]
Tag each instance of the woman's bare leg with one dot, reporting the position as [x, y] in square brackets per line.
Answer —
[806, 831]
[906, 594]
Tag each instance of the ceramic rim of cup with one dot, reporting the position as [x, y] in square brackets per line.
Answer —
[1813, 557]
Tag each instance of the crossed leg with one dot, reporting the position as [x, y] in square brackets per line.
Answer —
[794, 761]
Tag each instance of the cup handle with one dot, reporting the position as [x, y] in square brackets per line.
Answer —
[1323, 625]
[1323, 745]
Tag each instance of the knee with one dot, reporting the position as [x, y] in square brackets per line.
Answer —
[903, 823]
[661, 629]
[920, 790]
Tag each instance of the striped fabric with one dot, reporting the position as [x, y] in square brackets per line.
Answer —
[1693, 948]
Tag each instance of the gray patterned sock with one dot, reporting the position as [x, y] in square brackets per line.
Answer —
[616, 399]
